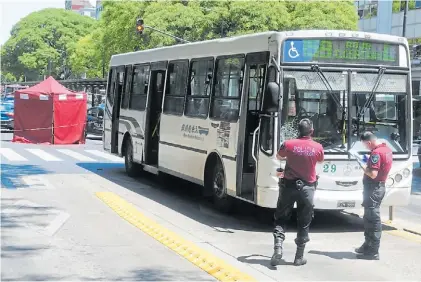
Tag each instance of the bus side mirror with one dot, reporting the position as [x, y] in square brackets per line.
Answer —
[271, 100]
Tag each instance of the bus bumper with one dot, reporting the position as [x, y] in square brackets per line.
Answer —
[337, 200]
[323, 199]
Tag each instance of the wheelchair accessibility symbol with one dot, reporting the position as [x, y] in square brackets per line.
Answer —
[292, 52]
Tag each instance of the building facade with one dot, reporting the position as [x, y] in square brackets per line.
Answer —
[83, 7]
[98, 9]
[387, 17]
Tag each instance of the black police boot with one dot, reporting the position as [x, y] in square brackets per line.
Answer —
[299, 255]
[362, 249]
[369, 254]
[277, 254]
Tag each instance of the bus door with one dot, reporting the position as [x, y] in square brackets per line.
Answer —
[256, 64]
[154, 111]
[115, 119]
[109, 103]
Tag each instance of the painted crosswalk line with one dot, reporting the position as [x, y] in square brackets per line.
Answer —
[44, 155]
[11, 155]
[57, 155]
[76, 155]
[104, 155]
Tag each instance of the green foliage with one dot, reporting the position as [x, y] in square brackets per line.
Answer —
[208, 19]
[325, 15]
[191, 20]
[7, 77]
[40, 42]
[399, 5]
[85, 58]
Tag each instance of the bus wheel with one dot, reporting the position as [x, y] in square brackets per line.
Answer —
[221, 199]
[132, 168]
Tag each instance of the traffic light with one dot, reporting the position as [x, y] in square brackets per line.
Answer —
[139, 26]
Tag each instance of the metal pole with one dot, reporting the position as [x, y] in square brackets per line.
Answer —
[170, 35]
[391, 213]
[103, 62]
[349, 125]
[405, 11]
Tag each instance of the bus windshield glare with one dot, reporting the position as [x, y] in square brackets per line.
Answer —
[306, 95]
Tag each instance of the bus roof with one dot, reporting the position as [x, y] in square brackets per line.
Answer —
[255, 42]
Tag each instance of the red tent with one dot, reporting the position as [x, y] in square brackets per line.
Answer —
[49, 113]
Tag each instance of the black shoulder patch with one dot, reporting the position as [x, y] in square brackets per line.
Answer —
[375, 158]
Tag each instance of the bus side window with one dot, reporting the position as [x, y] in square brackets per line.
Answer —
[111, 85]
[176, 87]
[126, 93]
[228, 83]
[139, 89]
[199, 88]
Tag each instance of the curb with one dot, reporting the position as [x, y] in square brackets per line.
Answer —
[208, 262]
[390, 224]
[412, 231]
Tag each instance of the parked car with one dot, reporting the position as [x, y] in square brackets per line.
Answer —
[95, 118]
[7, 115]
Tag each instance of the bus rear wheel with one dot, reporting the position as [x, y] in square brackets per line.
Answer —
[133, 169]
[221, 199]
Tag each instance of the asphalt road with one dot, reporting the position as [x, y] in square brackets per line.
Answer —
[55, 228]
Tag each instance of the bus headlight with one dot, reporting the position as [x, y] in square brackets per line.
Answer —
[406, 172]
[398, 177]
[390, 182]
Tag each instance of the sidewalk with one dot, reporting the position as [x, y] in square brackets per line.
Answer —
[406, 218]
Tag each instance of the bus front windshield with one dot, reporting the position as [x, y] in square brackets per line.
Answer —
[326, 105]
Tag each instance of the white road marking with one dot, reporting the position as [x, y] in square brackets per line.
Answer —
[19, 204]
[11, 155]
[56, 224]
[37, 182]
[52, 227]
[43, 155]
[104, 155]
[76, 155]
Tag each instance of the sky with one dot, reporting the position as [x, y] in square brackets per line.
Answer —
[11, 11]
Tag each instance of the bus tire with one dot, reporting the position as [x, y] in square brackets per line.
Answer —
[133, 169]
[221, 200]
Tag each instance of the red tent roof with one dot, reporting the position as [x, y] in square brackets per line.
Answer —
[50, 86]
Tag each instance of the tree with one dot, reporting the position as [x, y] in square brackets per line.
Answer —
[399, 5]
[237, 17]
[39, 43]
[203, 20]
[324, 15]
[85, 58]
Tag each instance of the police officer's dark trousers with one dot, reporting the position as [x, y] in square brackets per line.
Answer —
[289, 193]
[373, 195]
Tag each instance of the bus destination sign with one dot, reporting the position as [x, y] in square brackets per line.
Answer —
[340, 51]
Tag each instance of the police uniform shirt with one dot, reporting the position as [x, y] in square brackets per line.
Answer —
[381, 159]
[302, 156]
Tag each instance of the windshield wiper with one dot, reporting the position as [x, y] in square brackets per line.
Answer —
[323, 78]
[371, 97]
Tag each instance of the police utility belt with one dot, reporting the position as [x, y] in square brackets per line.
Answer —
[299, 183]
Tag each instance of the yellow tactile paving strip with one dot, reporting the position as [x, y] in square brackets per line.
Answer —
[199, 257]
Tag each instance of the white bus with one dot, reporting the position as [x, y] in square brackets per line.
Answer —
[203, 111]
